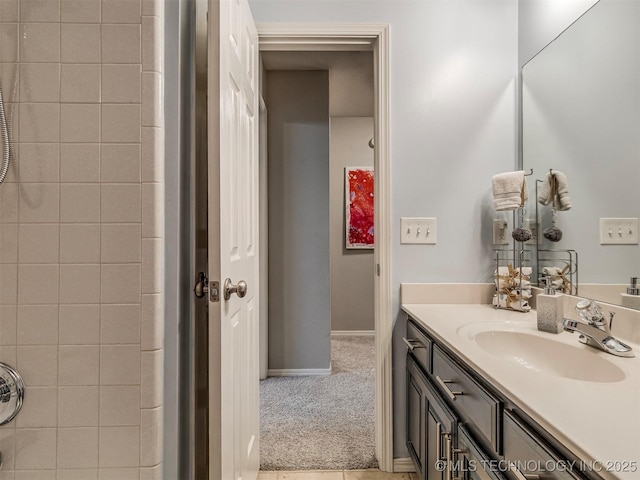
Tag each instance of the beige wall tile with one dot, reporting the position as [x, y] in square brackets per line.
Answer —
[80, 83]
[121, 44]
[119, 447]
[40, 10]
[39, 243]
[120, 365]
[119, 474]
[78, 406]
[77, 473]
[121, 83]
[152, 257]
[152, 210]
[35, 448]
[152, 154]
[9, 203]
[37, 325]
[8, 243]
[38, 284]
[121, 243]
[39, 203]
[152, 379]
[79, 243]
[39, 122]
[35, 475]
[80, 283]
[78, 447]
[121, 11]
[152, 7]
[9, 11]
[39, 408]
[79, 202]
[8, 448]
[9, 355]
[80, 11]
[151, 473]
[80, 162]
[120, 163]
[120, 324]
[121, 203]
[119, 405]
[121, 123]
[80, 43]
[79, 365]
[120, 283]
[39, 162]
[79, 123]
[151, 44]
[40, 82]
[152, 331]
[8, 324]
[40, 42]
[38, 365]
[9, 282]
[79, 324]
[152, 101]
[151, 437]
[9, 35]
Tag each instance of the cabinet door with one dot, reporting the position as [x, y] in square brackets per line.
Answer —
[441, 428]
[473, 463]
[416, 422]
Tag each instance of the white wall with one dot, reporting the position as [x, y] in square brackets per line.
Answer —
[352, 285]
[453, 73]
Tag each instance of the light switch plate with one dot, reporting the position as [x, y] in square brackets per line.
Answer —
[618, 231]
[418, 230]
[500, 232]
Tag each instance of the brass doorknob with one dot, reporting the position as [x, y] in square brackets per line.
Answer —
[239, 289]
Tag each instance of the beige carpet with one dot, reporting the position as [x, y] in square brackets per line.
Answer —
[322, 423]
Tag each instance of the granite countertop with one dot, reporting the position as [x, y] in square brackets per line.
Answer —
[598, 421]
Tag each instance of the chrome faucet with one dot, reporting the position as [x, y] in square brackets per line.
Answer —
[596, 332]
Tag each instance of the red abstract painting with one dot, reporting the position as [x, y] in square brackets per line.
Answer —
[359, 207]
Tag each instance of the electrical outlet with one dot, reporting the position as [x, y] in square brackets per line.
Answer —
[618, 231]
[500, 235]
[418, 231]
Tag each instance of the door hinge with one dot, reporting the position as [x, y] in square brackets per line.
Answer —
[214, 292]
[377, 269]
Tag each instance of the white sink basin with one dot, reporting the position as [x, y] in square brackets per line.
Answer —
[545, 354]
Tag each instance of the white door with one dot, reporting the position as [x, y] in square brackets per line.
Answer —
[233, 240]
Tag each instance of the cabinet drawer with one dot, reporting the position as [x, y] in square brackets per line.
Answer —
[479, 409]
[529, 455]
[419, 345]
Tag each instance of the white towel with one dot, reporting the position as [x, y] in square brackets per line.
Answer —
[556, 190]
[509, 190]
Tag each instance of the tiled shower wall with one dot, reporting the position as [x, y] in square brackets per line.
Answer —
[81, 238]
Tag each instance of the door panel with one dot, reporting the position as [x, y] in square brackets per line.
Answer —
[236, 252]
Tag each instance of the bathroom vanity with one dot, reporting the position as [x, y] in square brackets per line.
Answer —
[491, 397]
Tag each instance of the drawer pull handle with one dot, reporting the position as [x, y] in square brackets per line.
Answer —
[445, 387]
[522, 476]
[438, 441]
[413, 343]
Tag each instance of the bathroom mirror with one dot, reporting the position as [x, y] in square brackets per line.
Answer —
[581, 116]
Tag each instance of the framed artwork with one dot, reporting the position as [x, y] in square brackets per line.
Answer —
[359, 207]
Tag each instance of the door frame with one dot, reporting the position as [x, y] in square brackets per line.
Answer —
[283, 36]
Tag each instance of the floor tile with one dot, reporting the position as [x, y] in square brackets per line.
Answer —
[374, 475]
[311, 475]
[267, 475]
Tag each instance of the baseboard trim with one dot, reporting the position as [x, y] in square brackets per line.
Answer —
[403, 465]
[346, 333]
[297, 372]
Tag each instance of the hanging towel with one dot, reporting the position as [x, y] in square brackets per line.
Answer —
[555, 190]
[509, 190]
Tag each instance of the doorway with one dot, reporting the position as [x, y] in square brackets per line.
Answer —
[352, 37]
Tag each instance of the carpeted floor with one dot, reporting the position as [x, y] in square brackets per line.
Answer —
[322, 422]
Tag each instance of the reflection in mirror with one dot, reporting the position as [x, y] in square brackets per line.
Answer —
[581, 117]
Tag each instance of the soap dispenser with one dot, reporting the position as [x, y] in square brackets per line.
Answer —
[631, 299]
[549, 309]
